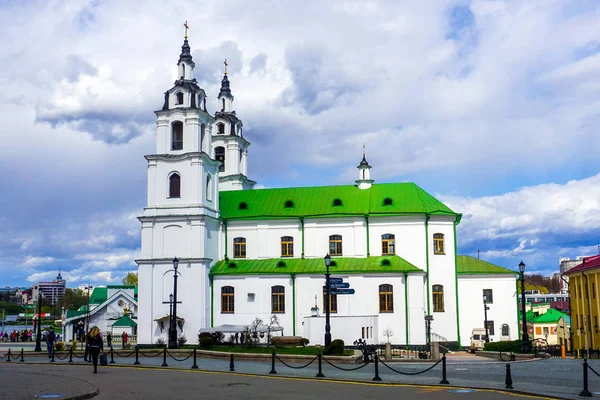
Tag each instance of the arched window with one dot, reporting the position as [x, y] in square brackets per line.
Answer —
[243, 205]
[179, 98]
[287, 246]
[221, 128]
[239, 247]
[220, 156]
[208, 188]
[183, 70]
[505, 330]
[386, 298]
[222, 104]
[177, 135]
[335, 245]
[438, 298]
[227, 299]
[202, 135]
[438, 243]
[174, 185]
[337, 202]
[387, 201]
[332, 303]
[388, 244]
[277, 299]
[289, 204]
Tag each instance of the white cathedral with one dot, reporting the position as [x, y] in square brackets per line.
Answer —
[246, 253]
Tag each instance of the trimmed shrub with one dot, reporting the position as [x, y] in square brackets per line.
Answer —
[161, 342]
[207, 342]
[508, 345]
[335, 348]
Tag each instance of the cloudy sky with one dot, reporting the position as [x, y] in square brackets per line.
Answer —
[489, 105]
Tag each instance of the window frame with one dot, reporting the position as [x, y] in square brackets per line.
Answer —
[239, 247]
[388, 240]
[176, 142]
[287, 246]
[227, 300]
[491, 329]
[220, 156]
[335, 245]
[489, 296]
[386, 298]
[333, 304]
[179, 99]
[503, 328]
[278, 299]
[174, 186]
[438, 243]
[437, 294]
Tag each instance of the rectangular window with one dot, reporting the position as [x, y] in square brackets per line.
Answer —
[332, 303]
[489, 296]
[386, 298]
[278, 299]
[546, 330]
[287, 246]
[335, 245]
[239, 248]
[438, 298]
[490, 327]
[538, 330]
[363, 332]
[227, 300]
[438, 243]
[388, 244]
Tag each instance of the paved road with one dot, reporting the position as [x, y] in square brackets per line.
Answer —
[150, 383]
[550, 377]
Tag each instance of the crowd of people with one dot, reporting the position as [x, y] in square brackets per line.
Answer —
[17, 336]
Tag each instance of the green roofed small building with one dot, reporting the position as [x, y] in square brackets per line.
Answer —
[249, 253]
[113, 308]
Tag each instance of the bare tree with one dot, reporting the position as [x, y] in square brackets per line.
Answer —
[388, 333]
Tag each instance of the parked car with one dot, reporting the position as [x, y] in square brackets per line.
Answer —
[477, 339]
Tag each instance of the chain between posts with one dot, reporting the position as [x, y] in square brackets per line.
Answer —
[295, 367]
[412, 373]
[346, 369]
[180, 360]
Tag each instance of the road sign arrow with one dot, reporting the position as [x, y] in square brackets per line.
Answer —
[342, 291]
[343, 285]
[336, 280]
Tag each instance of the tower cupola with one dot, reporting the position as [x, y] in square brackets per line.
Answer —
[225, 97]
[364, 180]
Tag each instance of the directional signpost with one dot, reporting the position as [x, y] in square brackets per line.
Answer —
[338, 286]
[342, 291]
[336, 280]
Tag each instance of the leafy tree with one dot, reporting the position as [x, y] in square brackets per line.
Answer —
[73, 299]
[130, 279]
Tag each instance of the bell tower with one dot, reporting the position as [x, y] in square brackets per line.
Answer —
[230, 146]
[180, 219]
[364, 180]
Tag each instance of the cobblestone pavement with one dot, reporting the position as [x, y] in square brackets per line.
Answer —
[152, 383]
[548, 377]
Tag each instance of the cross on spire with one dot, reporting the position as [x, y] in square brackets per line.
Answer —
[363, 149]
[185, 24]
[225, 62]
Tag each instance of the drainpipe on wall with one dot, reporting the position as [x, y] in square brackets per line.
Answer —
[569, 344]
[212, 300]
[225, 229]
[302, 224]
[587, 295]
[293, 276]
[367, 223]
[406, 304]
[427, 216]
[456, 221]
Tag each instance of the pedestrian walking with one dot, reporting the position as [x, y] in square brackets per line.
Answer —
[50, 339]
[96, 345]
[109, 340]
[125, 337]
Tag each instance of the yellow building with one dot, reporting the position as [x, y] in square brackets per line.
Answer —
[584, 281]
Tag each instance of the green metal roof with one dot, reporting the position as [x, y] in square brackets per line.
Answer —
[75, 313]
[125, 321]
[551, 316]
[406, 198]
[316, 266]
[471, 265]
[99, 295]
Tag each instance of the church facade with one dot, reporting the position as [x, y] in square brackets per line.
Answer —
[246, 253]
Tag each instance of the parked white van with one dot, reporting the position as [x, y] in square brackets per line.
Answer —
[477, 339]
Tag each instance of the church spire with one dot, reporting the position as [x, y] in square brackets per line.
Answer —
[225, 89]
[185, 63]
[364, 180]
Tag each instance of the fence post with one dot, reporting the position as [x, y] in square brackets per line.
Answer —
[52, 360]
[231, 365]
[164, 364]
[444, 381]
[585, 392]
[320, 373]
[376, 377]
[195, 366]
[71, 354]
[137, 361]
[508, 381]
[22, 355]
[8, 355]
[273, 363]
[112, 358]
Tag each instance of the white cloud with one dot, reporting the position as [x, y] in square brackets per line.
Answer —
[37, 261]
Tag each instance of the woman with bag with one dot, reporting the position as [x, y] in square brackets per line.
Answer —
[96, 345]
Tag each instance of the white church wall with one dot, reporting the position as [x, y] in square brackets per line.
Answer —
[347, 328]
[442, 272]
[263, 239]
[417, 309]
[503, 310]
[318, 230]
[409, 234]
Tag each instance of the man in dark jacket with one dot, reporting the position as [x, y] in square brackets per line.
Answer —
[50, 339]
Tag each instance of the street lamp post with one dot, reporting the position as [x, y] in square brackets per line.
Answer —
[485, 321]
[327, 308]
[525, 337]
[170, 312]
[38, 325]
[173, 323]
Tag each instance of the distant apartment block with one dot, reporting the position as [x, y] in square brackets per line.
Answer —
[53, 292]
